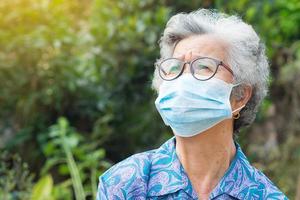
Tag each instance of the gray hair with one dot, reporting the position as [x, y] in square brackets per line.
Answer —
[246, 53]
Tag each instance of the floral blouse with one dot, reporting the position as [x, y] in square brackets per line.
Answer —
[158, 174]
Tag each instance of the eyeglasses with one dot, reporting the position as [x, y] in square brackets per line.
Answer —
[202, 68]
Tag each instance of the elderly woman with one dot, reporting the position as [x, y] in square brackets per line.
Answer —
[210, 79]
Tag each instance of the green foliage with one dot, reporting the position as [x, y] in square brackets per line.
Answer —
[59, 134]
[64, 145]
[92, 62]
[127, 33]
[43, 188]
[15, 178]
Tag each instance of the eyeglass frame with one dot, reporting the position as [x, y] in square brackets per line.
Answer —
[218, 63]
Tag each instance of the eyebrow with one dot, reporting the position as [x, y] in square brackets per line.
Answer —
[196, 55]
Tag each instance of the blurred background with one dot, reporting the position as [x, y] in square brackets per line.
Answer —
[76, 95]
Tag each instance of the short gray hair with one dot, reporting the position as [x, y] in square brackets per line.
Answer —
[246, 53]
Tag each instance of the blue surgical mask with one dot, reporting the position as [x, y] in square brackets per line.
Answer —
[190, 106]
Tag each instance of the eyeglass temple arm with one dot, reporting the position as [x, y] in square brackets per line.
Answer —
[226, 67]
[165, 73]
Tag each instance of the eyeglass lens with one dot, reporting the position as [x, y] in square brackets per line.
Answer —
[202, 68]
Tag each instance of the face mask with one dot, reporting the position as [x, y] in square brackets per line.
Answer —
[190, 106]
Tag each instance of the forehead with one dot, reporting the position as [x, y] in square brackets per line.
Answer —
[204, 45]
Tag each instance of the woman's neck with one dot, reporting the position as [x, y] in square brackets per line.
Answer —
[206, 156]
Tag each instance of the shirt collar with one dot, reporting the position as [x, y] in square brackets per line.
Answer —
[168, 176]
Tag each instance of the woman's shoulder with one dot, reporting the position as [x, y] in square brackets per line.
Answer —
[249, 181]
[130, 166]
[131, 177]
[265, 185]
[127, 177]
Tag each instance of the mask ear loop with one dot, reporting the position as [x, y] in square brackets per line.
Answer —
[237, 115]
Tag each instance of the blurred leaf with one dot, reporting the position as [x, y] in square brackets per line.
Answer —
[43, 188]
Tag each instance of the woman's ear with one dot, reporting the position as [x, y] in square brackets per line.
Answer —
[246, 94]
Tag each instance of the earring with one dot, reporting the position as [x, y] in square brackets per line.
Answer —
[236, 116]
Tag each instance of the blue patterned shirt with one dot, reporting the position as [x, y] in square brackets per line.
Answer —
[158, 174]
